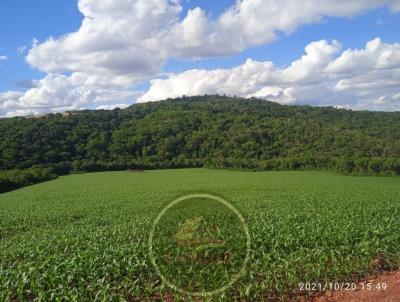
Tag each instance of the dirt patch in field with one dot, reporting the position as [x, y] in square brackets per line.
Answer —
[368, 291]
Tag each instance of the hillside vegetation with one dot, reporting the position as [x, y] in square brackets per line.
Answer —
[208, 131]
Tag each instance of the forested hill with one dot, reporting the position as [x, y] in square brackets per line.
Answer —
[210, 131]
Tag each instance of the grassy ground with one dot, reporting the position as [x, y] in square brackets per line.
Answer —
[85, 237]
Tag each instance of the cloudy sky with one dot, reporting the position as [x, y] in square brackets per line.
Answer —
[65, 54]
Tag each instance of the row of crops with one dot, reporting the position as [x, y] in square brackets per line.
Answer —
[85, 237]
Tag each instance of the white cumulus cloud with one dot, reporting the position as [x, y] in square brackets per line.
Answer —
[120, 36]
[112, 106]
[367, 78]
[123, 43]
[58, 93]
[252, 23]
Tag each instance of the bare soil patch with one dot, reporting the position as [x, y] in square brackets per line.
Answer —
[368, 293]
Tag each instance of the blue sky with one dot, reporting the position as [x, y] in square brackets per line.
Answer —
[21, 21]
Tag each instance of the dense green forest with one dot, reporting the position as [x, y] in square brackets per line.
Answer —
[206, 131]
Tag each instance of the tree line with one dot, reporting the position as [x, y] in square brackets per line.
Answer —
[205, 131]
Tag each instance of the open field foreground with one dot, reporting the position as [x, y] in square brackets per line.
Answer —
[86, 237]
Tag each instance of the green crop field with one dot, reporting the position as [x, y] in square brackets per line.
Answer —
[86, 237]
